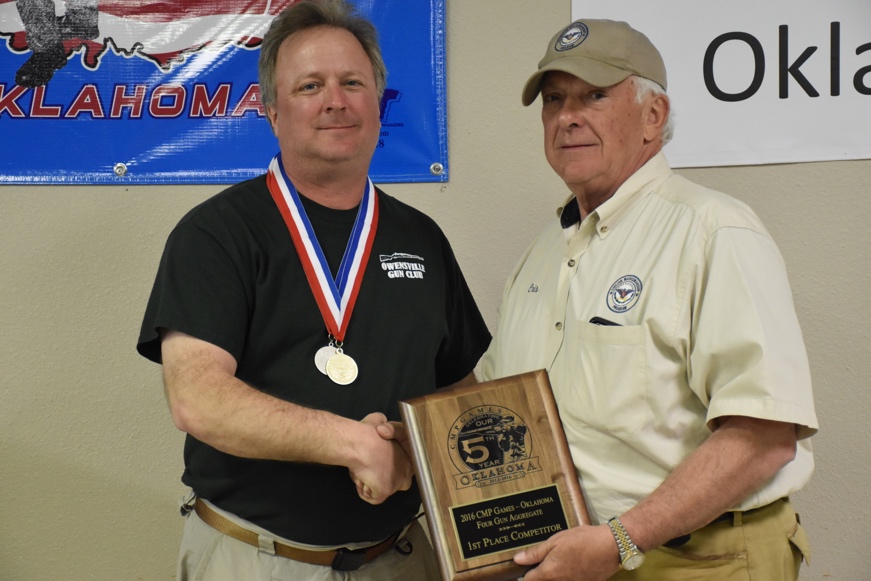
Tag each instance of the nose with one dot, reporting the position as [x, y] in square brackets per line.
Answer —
[335, 98]
[571, 114]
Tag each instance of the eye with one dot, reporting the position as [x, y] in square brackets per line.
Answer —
[550, 97]
[308, 87]
[598, 95]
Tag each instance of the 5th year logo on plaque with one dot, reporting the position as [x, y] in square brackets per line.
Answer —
[490, 444]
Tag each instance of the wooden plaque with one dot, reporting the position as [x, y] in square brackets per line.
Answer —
[494, 471]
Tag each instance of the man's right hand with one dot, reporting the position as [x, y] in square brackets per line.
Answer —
[385, 466]
[395, 434]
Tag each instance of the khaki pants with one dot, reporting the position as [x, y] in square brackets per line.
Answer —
[767, 544]
[208, 555]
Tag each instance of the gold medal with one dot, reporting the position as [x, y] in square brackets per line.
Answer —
[341, 368]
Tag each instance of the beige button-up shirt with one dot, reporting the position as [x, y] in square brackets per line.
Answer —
[705, 327]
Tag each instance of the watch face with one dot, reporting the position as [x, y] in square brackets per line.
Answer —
[633, 561]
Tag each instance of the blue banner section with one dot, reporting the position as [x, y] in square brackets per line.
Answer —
[157, 93]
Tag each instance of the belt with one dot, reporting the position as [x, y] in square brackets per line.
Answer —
[341, 560]
[726, 516]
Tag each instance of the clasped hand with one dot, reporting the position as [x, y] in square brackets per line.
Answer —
[386, 467]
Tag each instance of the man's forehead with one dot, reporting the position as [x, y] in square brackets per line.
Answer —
[324, 50]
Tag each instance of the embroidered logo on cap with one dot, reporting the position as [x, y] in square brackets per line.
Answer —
[574, 34]
[624, 293]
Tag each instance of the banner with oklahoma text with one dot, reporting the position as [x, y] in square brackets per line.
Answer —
[755, 82]
[143, 92]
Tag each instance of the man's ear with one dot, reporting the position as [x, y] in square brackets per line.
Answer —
[656, 116]
[272, 116]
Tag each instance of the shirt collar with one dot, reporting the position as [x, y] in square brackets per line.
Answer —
[642, 182]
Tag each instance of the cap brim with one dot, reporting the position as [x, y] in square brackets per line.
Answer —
[592, 71]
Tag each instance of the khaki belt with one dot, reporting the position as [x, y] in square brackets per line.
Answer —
[341, 559]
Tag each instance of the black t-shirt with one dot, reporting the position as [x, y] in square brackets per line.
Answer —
[231, 276]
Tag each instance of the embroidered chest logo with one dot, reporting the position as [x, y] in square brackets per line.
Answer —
[490, 444]
[402, 265]
[624, 293]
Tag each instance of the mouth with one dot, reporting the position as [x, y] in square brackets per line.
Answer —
[575, 146]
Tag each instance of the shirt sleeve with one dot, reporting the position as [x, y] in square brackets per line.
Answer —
[199, 289]
[747, 355]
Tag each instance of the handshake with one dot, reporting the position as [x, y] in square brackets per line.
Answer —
[384, 463]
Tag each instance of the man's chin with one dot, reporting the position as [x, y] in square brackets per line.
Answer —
[576, 171]
[346, 152]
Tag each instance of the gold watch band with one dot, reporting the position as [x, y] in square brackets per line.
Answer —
[631, 556]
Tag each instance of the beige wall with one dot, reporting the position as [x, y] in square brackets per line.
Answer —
[90, 461]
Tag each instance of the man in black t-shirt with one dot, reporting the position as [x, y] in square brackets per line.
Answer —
[291, 312]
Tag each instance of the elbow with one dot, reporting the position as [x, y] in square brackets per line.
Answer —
[181, 418]
[198, 418]
[786, 452]
[194, 373]
[781, 451]
[184, 413]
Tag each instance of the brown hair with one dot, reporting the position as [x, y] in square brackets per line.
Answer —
[309, 14]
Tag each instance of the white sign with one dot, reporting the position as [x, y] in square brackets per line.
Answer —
[754, 82]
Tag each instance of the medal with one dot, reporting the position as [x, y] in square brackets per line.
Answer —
[335, 297]
[323, 355]
[341, 368]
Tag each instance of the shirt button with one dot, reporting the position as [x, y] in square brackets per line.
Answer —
[572, 262]
[604, 229]
[558, 326]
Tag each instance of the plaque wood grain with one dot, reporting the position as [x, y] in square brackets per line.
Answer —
[439, 423]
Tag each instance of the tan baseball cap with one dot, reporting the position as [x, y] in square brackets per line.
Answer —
[601, 52]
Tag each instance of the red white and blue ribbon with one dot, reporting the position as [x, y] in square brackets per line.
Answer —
[335, 297]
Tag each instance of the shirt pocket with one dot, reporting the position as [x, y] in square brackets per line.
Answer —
[610, 392]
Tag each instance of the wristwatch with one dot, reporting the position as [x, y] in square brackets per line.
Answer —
[630, 556]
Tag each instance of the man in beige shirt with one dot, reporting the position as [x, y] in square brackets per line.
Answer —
[664, 317]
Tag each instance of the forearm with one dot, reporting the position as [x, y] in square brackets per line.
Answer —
[243, 421]
[738, 458]
[208, 402]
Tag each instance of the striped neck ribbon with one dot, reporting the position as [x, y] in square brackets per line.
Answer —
[335, 297]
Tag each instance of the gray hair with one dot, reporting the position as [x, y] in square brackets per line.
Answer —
[645, 87]
[310, 14]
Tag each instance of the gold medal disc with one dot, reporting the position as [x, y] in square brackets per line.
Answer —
[341, 368]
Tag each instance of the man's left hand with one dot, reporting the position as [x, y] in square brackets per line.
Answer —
[584, 553]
